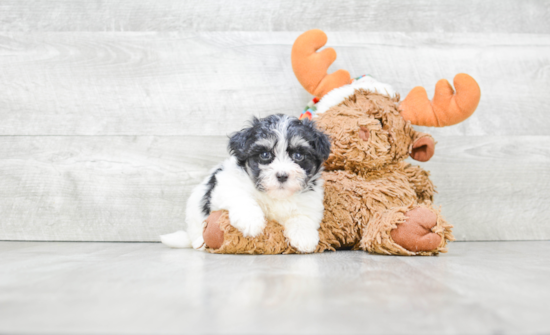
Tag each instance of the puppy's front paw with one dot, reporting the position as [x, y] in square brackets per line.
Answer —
[250, 225]
[303, 239]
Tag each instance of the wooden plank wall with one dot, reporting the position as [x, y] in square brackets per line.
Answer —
[110, 112]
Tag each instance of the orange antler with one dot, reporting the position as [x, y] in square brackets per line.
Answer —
[310, 67]
[447, 107]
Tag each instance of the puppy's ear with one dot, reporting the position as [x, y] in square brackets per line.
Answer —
[322, 144]
[321, 141]
[238, 142]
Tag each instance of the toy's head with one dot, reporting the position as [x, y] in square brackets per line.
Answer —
[368, 132]
[368, 126]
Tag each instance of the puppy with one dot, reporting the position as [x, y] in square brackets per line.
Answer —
[273, 172]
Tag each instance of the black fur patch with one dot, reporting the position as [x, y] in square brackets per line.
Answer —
[208, 194]
[319, 141]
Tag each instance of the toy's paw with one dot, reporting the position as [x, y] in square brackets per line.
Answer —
[212, 234]
[303, 239]
[249, 224]
[415, 233]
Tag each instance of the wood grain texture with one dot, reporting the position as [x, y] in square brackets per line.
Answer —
[133, 188]
[493, 187]
[122, 188]
[514, 16]
[210, 83]
[112, 110]
[146, 288]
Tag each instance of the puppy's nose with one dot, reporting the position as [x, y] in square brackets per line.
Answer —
[282, 177]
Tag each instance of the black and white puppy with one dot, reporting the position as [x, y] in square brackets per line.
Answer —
[274, 172]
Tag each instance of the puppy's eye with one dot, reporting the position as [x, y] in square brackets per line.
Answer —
[297, 156]
[380, 121]
[265, 156]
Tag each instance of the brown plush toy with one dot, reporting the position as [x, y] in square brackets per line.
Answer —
[374, 201]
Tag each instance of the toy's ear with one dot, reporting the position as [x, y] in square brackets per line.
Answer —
[423, 148]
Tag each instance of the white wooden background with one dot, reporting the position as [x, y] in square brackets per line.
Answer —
[111, 111]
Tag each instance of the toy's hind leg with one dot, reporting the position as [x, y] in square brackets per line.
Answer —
[407, 231]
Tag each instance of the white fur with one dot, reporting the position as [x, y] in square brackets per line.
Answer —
[300, 213]
[337, 95]
[233, 193]
[273, 188]
[179, 239]
[297, 141]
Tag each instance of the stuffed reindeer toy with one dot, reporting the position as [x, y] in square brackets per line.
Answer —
[373, 200]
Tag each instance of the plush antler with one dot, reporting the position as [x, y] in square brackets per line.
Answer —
[310, 67]
[447, 107]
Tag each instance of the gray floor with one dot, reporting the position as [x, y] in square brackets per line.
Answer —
[145, 288]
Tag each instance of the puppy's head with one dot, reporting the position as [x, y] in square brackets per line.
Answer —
[281, 154]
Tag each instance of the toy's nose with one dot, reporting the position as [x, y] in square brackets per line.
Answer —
[364, 133]
[282, 177]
